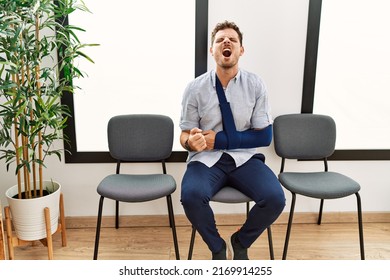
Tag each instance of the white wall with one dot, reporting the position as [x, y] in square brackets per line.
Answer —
[274, 40]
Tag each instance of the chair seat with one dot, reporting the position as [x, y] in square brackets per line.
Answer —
[230, 195]
[322, 185]
[136, 188]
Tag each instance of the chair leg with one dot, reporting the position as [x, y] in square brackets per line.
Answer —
[192, 242]
[116, 214]
[172, 224]
[270, 244]
[320, 213]
[360, 219]
[98, 225]
[290, 219]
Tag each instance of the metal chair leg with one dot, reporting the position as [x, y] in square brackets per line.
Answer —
[360, 222]
[270, 244]
[173, 226]
[116, 214]
[290, 219]
[192, 242]
[320, 213]
[360, 219]
[98, 225]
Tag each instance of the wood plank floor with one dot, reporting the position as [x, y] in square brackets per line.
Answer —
[338, 241]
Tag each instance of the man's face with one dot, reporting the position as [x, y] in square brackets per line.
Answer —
[226, 48]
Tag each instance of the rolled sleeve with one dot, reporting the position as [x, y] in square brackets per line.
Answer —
[261, 117]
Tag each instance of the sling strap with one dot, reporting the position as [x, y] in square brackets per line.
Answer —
[230, 138]
[227, 115]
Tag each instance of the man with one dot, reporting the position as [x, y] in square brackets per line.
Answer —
[222, 147]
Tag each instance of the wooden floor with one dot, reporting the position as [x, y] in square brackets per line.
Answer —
[338, 241]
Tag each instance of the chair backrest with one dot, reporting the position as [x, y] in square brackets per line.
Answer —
[140, 137]
[304, 136]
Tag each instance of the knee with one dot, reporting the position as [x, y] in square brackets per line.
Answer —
[279, 202]
[274, 202]
[193, 198]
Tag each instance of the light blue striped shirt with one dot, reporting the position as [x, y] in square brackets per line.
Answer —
[247, 95]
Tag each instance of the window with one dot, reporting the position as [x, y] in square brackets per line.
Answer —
[346, 74]
[134, 71]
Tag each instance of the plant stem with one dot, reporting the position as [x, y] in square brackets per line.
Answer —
[37, 79]
[21, 82]
[16, 130]
[34, 172]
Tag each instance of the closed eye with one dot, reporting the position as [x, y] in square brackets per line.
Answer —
[232, 39]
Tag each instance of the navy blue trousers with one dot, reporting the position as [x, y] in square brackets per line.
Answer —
[254, 179]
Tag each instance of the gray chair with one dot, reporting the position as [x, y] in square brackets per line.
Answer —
[138, 138]
[231, 195]
[312, 137]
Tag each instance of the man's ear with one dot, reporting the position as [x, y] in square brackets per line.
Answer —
[242, 50]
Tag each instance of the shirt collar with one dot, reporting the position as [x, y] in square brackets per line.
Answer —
[235, 79]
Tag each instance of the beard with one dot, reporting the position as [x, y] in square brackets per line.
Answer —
[227, 64]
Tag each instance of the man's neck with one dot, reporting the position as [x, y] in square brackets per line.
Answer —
[225, 75]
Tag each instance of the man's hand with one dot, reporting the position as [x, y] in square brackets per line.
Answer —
[209, 136]
[197, 140]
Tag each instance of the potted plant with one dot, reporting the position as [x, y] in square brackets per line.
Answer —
[32, 117]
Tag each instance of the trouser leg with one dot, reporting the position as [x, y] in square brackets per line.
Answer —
[199, 184]
[254, 179]
[257, 181]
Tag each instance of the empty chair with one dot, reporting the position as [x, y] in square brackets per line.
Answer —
[312, 137]
[231, 195]
[138, 138]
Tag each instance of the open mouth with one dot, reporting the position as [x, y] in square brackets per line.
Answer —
[226, 52]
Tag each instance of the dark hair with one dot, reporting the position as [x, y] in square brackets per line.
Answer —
[225, 25]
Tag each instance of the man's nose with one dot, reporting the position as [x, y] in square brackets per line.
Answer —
[226, 40]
